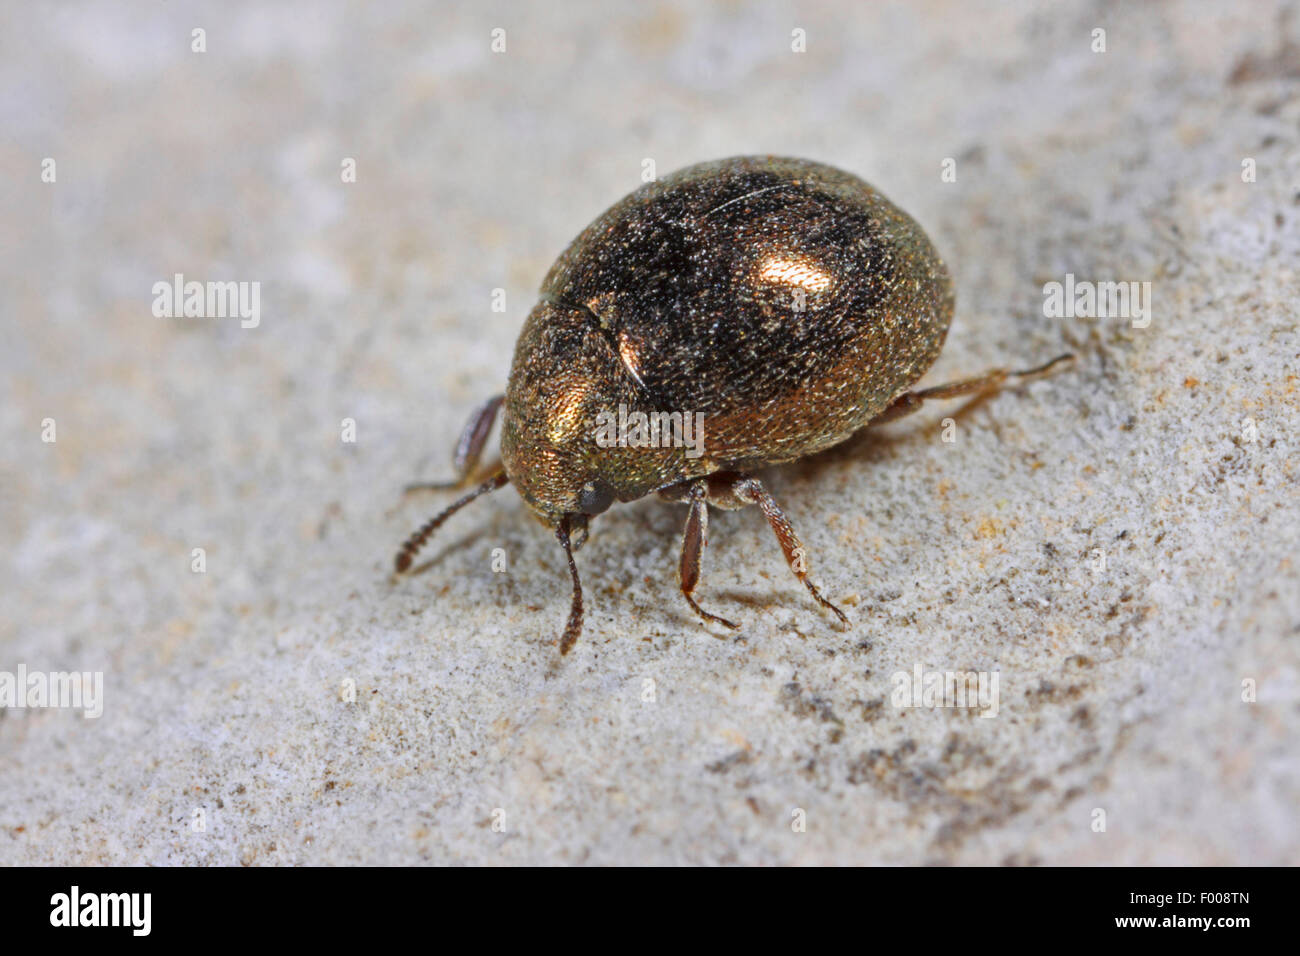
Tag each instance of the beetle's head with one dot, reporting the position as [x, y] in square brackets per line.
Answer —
[566, 376]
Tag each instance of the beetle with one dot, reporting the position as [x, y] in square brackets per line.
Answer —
[781, 303]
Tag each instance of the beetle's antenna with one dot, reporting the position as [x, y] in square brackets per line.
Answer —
[411, 547]
[574, 627]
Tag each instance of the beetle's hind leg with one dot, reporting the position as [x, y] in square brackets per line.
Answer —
[990, 381]
[469, 449]
[694, 539]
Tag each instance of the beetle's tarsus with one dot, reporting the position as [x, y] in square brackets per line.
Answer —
[825, 603]
[1046, 367]
[710, 617]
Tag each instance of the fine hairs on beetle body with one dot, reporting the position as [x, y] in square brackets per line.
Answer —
[782, 303]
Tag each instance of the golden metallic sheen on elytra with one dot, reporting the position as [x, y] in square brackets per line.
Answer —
[787, 301]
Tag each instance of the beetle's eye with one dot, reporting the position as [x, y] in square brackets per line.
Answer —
[595, 497]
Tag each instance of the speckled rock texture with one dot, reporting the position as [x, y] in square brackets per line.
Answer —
[1117, 544]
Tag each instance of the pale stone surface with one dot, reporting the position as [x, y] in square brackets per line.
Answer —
[1120, 689]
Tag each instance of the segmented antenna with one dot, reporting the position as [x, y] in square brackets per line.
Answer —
[411, 547]
[574, 627]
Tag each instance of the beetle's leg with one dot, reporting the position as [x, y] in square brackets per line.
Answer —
[693, 542]
[411, 547]
[909, 402]
[751, 491]
[574, 626]
[469, 449]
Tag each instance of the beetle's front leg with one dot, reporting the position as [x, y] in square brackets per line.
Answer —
[469, 449]
[694, 539]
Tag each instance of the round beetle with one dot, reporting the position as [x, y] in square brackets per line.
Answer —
[739, 314]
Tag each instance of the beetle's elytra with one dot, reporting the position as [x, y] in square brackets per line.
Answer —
[779, 304]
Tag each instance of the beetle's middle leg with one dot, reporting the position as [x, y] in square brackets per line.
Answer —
[990, 381]
[735, 490]
[469, 449]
